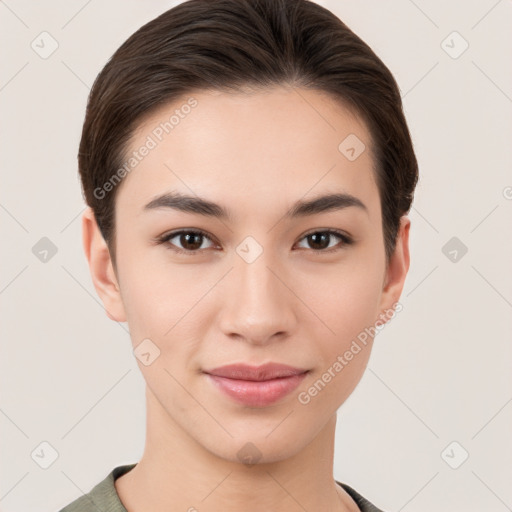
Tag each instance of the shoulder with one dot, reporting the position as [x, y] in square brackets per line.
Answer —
[361, 501]
[103, 496]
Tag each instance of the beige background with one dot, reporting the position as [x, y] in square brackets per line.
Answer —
[439, 373]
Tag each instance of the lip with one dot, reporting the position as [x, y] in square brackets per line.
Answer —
[256, 386]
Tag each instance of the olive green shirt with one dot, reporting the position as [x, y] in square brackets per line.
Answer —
[104, 498]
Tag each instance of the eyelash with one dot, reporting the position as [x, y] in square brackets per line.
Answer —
[167, 237]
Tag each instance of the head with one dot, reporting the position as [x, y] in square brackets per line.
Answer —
[255, 126]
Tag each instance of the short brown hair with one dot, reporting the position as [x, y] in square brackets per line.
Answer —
[234, 44]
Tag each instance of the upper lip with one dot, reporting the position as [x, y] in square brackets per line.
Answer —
[266, 371]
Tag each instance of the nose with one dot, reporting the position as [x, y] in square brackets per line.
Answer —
[257, 304]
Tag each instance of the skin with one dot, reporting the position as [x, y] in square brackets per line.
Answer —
[255, 154]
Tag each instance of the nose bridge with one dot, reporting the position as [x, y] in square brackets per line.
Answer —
[259, 306]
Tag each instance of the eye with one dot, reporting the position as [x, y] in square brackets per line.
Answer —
[190, 240]
[320, 240]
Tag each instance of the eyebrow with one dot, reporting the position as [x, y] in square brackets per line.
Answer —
[302, 208]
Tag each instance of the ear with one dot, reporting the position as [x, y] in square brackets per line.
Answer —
[397, 268]
[101, 268]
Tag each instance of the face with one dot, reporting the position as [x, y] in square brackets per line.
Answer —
[255, 278]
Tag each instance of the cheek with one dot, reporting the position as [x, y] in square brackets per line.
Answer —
[151, 302]
[345, 301]
[164, 302]
[348, 308]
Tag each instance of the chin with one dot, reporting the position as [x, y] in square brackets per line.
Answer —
[256, 442]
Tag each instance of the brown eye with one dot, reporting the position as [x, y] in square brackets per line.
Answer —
[321, 240]
[191, 241]
[186, 241]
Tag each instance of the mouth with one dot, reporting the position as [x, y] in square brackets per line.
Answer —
[256, 386]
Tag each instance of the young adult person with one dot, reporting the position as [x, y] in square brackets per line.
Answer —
[248, 169]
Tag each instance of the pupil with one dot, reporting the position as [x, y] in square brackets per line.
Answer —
[324, 236]
[188, 238]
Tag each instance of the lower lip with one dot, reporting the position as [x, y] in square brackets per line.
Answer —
[257, 393]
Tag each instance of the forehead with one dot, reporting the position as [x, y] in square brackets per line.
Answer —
[240, 148]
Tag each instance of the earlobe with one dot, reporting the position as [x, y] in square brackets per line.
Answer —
[101, 268]
[398, 267]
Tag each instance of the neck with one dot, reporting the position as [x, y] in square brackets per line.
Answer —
[176, 473]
